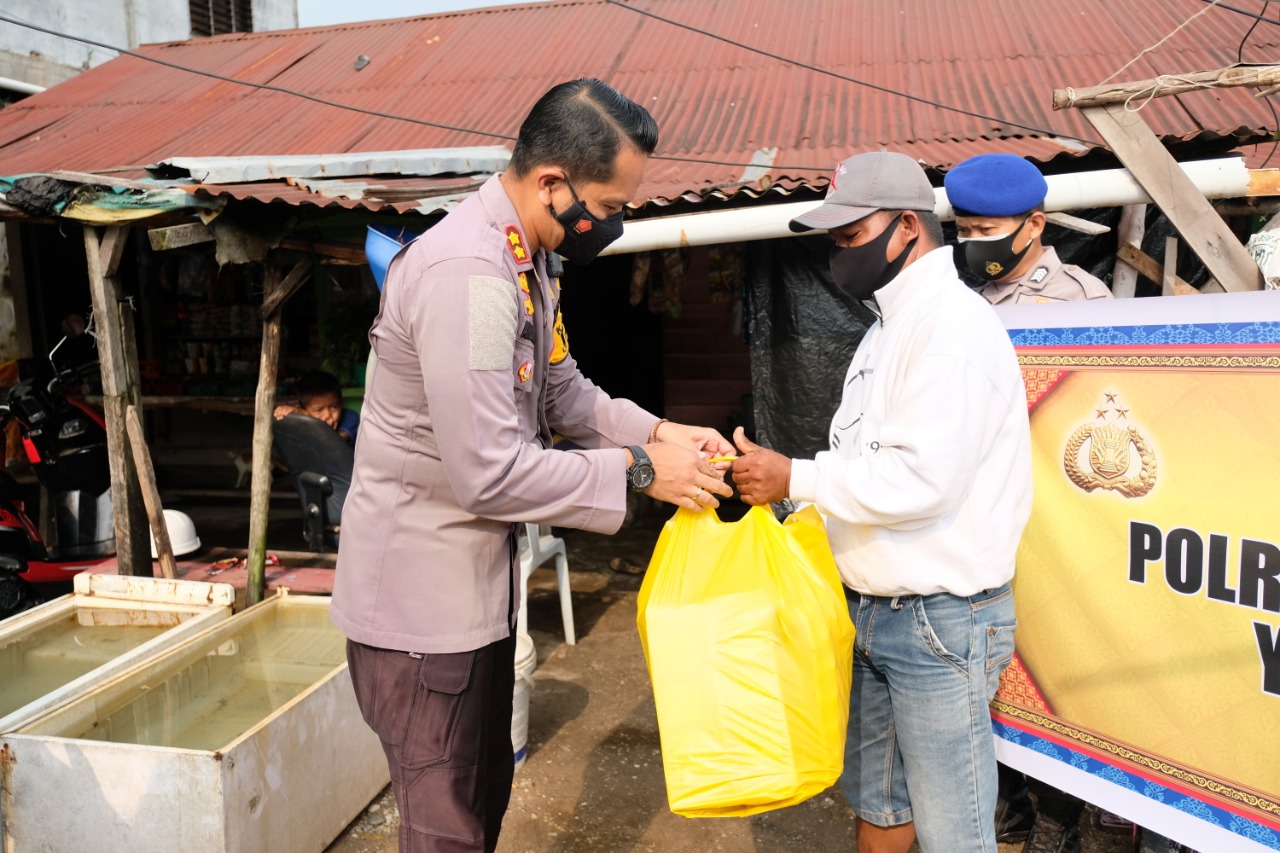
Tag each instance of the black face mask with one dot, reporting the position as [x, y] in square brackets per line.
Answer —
[860, 271]
[991, 258]
[585, 236]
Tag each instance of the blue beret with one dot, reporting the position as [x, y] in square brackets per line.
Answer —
[995, 185]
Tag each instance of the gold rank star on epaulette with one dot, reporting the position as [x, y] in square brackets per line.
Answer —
[515, 242]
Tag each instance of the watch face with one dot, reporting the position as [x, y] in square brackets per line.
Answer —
[641, 476]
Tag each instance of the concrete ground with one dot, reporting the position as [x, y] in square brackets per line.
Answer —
[593, 782]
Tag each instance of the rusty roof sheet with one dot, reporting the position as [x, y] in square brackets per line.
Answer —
[403, 195]
[718, 105]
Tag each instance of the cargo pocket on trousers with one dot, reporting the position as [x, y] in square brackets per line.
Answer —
[437, 703]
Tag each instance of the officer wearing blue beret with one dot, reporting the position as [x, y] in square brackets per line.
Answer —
[999, 206]
[998, 201]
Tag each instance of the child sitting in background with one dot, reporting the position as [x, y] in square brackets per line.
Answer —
[320, 396]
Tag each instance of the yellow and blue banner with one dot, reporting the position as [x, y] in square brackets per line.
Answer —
[1147, 675]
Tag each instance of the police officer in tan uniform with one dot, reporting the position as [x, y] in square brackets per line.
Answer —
[998, 201]
[474, 377]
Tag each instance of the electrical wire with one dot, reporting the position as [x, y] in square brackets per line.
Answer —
[1247, 33]
[1275, 119]
[264, 86]
[887, 90]
[1239, 11]
[8, 17]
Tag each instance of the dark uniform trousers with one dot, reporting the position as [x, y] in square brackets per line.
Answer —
[445, 725]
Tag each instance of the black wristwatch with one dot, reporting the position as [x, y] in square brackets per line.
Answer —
[640, 473]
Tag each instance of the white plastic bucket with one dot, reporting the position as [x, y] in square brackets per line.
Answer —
[526, 663]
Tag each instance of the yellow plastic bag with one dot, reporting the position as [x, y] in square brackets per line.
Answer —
[750, 650]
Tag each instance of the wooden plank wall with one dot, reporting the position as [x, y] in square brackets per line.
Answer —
[706, 366]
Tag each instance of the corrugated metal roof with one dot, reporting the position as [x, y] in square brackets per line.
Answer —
[714, 101]
[421, 195]
[432, 161]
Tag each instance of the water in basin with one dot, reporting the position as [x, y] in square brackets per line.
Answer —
[59, 652]
[207, 697]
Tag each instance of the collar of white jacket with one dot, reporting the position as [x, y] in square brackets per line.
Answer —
[919, 281]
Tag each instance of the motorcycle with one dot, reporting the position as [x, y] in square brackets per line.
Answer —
[65, 442]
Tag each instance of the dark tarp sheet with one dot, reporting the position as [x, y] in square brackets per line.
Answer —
[803, 335]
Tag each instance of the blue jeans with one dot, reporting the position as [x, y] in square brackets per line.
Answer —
[920, 746]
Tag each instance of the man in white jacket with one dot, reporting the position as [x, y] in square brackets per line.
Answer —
[926, 490]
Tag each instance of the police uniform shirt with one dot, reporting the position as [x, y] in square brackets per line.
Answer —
[1050, 280]
[474, 375]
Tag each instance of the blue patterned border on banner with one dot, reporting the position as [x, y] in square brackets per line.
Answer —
[1219, 817]
[1211, 333]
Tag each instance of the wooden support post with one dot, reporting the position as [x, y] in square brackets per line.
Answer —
[150, 493]
[18, 288]
[1124, 277]
[1170, 271]
[274, 294]
[1189, 211]
[119, 391]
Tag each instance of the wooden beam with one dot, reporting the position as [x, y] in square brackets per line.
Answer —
[1190, 212]
[1249, 208]
[119, 390]
[150, 494]
[102, 180]
[1263, 182]
[263, 420]
[233, 405]
[1119, 93]
[279, 495]
[272, 300]
[1147, 265]
[348, 253]
[1124, 276]
[177, 236]
[1075, 223]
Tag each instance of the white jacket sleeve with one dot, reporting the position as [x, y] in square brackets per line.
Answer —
[920, 464]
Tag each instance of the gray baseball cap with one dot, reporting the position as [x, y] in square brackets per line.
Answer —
[865, 183]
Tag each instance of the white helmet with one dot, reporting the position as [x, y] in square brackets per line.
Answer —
[182, 534]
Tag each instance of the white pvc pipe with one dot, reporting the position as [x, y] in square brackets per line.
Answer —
[20, 86]
[1227, 177]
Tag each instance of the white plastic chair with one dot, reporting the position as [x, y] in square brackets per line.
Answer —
[538, 546]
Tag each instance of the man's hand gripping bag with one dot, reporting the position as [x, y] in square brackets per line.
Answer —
[750, 650]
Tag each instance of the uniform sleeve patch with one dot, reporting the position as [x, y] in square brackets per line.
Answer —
[491, 313]
[560, 342]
